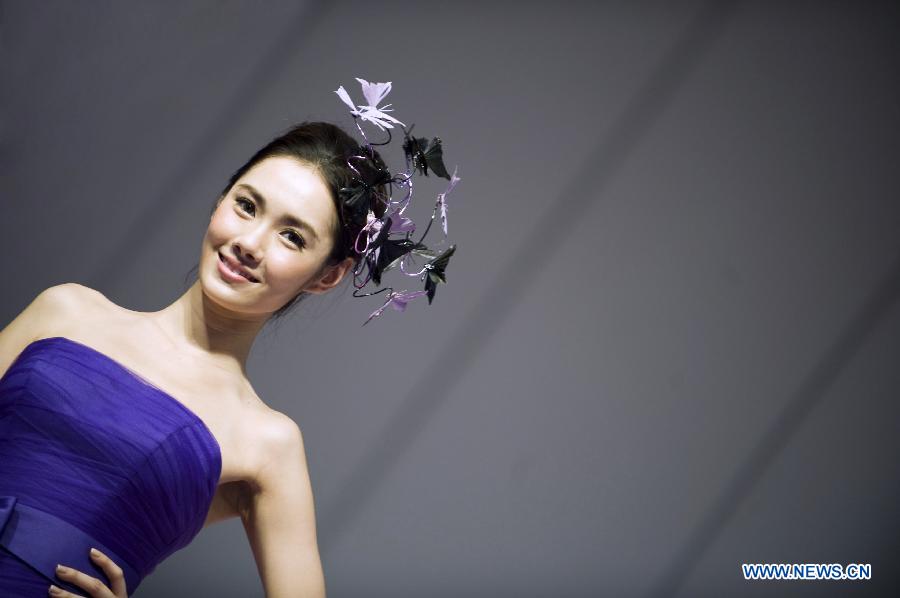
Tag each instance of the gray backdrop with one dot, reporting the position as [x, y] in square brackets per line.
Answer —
[670, 338]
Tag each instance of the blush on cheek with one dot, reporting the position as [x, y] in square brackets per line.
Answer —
[222, 226]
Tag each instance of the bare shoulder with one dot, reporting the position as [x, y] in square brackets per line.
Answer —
[281, 445]
[48, 308]
[67, 298]
[41, 317]
[280, 432]
[274, 454]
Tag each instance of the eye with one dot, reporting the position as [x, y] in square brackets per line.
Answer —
[241, 201]
[296, 239]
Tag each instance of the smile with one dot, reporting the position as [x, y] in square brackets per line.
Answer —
[231, 273]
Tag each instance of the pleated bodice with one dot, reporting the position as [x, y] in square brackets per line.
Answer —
[92, 454]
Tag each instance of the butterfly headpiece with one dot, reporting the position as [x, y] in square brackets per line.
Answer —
[385, 242]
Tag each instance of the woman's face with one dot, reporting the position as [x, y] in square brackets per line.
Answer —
[274, 225]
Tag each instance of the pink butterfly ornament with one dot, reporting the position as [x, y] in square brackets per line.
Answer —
[400, 223]
[374, 93]
[442, 199]
[398, 301]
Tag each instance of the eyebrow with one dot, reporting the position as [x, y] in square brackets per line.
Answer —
[288, 219]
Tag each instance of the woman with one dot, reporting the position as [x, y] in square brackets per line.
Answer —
[127, 432]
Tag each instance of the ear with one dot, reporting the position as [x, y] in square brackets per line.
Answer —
[331, 278]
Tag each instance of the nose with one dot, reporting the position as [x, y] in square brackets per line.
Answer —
[248, 246]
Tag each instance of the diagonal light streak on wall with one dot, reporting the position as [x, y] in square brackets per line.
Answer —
[812, 390]
[490, 312]
[151, 218]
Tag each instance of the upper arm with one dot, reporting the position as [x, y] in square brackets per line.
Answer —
[36, 318]
[280, 517]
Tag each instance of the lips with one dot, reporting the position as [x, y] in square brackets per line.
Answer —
[231, 268]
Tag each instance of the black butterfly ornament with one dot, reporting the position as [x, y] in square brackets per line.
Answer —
[426, 154]
[385, 253]
[434, 271]
[390, 253]
[356, 199]
[359, 196]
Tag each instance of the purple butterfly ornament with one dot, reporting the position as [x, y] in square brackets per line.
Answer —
[398, 301]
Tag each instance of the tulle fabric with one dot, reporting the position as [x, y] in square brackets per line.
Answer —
[91, 454]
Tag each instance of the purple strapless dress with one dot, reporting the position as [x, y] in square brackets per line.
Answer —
[91, 454]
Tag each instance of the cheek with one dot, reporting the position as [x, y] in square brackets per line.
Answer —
[285, 271]
[222, 226]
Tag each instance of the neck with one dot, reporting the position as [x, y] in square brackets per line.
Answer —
[195, 321]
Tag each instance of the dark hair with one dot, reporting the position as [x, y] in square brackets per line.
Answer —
[325, 147]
